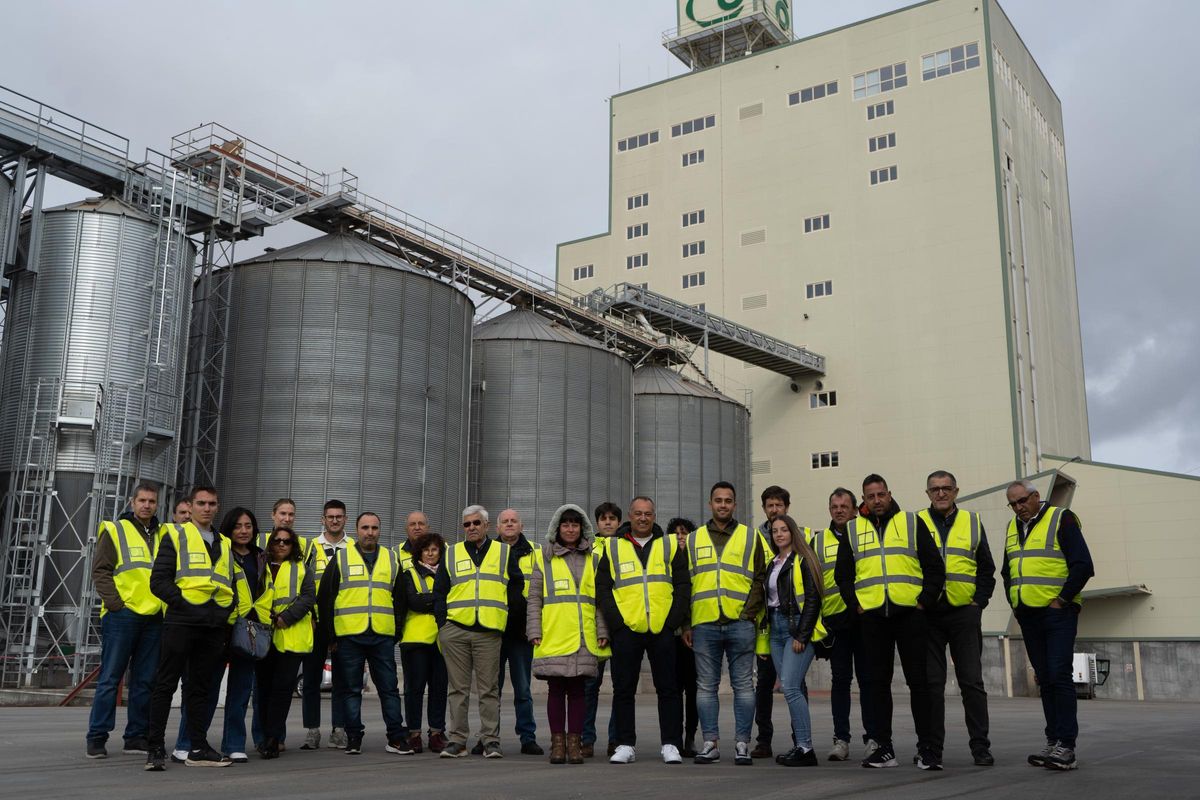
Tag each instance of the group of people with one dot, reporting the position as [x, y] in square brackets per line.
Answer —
[876, 581]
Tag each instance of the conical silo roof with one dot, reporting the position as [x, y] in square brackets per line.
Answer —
[337, 248]
[655, 379]
[101, 205]
[526, 325]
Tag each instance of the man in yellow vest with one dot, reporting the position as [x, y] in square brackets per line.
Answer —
[322, 551]
[888, 572]
[642, 586]
[130, 621]
[204, 590]
[956, 618]
[1046, 565]
[728, 571]
[361, 605]
[476, 583]
[608, 520]
[515, 649]
[416, 525]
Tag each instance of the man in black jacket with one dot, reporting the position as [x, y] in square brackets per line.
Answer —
[878, 586]
[515, 649]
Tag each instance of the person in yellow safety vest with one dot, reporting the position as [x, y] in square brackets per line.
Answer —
[642, 586]
[321, 551]
[889, 572]
[776, 501]
[424, 666]
[283, 515]
[728, 569]
[204, 591]
[607, 517]
[515, 649]
[1046, 565]
[847, 651]
[285, 602]
[416, 525]
[130, 621]
[476, 583]
[956, 618]
[563, 624]
[360, 611]
[793, 594]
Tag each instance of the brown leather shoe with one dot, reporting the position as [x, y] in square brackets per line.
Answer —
[574, 749]
[558, 748]
[437, 742]
[762, 750]
[588, 750]
[414, 742]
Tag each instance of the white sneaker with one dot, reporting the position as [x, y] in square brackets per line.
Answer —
[179, 756]
[338, 739]
[624, 754]
[840, 750]
[670, 754]
[238, 758]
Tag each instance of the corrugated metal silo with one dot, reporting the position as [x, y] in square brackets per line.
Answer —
[348, 376]
[688, 437]
[555, 418]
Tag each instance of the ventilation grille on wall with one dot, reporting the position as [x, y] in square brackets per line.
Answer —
[760, 467]
[746, 112]
[754, 237]
[752, 302]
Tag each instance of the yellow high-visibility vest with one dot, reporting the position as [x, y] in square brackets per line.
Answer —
[721, 584]
[1037, 569]
[958, 554]
[886, 567]
[825, 544]
[131, 573]
[364, 598]
[278, 593]
[318, 560]
[419, 628]
[643, 594]
[478, 595]
[568, 608]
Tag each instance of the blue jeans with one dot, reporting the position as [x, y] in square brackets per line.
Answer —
[377, 652]
[791, 668]
[1050, 642]
[591, 698]
[519, 655]
[128, 641]
[239, 688]
[734, 640]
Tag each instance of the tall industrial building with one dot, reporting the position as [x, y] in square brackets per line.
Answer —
[891, 195]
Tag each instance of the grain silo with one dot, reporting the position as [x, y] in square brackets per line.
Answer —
[348, 376]
[686, 438]
[555, 417]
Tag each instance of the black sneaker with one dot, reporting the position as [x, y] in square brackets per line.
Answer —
[453, 750]
[532, 749]
[96, 749]
[1061, 757]
[400, 747]
[1039, 759]
[206, 758]
[884, 756]
[353, 745]
[477, 750]
[926, 759]
[156, 760]
[798, 757]
[983, 758]
[493, 750]
[136, 746]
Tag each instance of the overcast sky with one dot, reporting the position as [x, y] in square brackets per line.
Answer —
[490, 119]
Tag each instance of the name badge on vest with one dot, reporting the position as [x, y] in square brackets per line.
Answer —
[703, 552]
[627, 566]
[137, 552]
[196, 558]
[562, 586]
[356, 570]
[866, 537]
[831, 551]
[462, 566]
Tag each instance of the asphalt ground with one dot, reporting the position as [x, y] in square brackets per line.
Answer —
[1126, 750]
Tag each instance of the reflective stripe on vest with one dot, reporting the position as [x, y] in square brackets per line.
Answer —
[1037, 570]
[419, 628]
[888, 570]
[958, 554]
[721, 584]
[364, 598]
[478, 595]
[403, 557]
[317, 558]
[198, 578]
[643, 594]
[131, 573]
[525, 563]
[825, 544]
[568, 608]
[279, 592]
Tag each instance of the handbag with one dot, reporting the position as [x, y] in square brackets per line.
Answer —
[250, 638]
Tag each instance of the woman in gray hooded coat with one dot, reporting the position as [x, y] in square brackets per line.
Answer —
[566, 628]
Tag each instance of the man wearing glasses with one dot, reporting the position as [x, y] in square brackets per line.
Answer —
[476, 583]
[956, 619]
[1046, 565]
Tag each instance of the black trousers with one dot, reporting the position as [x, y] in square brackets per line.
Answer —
[277, 675]
[192, 653]
[960, 629]
[905, 630]
[685, 679]
[628, 648]
[764, 700]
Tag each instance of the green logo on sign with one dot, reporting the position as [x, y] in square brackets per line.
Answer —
[733, 7]
[783, 15]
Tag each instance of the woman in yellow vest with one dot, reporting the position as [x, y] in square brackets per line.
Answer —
[793, 592]
[568, 634]
[285, 602]
[419, 654]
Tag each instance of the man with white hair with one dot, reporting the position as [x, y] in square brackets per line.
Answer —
[476, 583]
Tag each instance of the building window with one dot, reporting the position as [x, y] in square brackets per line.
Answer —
[813, 93]
[699, 307]
[948, 62]
[583, 273]
[877, 81]
[881, 109]
[693, 218]
[883, 175]
[819, 289]
[693, 126]
[825, 460]
[637, 231]
[640, 140]
[636, 261]
[881, 142]
[693, 249]
[818, 223]
[639, 200]
[822, 399]
[693, 279]
[694, 157]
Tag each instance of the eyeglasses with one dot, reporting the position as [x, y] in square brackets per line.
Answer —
[472, 523]
[282, 542]
[941, 490]
[1020, 500]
